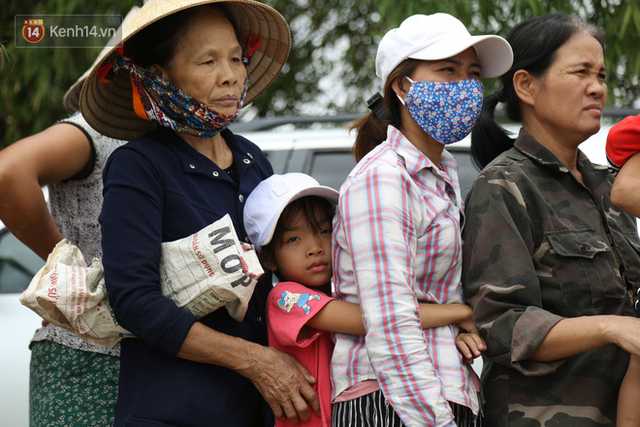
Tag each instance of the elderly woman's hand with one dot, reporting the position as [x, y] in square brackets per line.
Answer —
[284, 383]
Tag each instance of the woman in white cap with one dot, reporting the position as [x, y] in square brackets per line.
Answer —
[548, 261]
[397, 231]
[71, 382]
[185, 69]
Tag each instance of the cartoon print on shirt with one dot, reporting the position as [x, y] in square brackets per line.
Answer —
[289, 299]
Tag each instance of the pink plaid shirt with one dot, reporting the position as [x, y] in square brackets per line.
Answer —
[396, 242]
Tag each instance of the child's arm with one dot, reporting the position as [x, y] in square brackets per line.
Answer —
[625, 193]
[629, 396]
[338, 316]
[346, 318]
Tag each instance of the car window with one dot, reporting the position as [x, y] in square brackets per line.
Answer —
[330, 168]
[18, 264]
[278, 159]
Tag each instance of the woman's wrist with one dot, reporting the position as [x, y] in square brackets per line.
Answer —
[252, 359]
[611, 329]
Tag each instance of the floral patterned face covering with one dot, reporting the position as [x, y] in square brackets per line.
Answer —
[445, 110]
[157, 100]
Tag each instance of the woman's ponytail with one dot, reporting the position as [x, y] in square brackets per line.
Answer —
[488, 138]
[371, 129]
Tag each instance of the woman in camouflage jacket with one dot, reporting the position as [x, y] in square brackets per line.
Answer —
[548, 261]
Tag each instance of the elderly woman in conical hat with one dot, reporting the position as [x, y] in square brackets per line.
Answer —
[184, 70]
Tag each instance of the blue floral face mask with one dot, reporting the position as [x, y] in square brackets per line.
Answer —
[445, 110]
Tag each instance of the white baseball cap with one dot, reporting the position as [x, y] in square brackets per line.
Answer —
[267, 201]
[440, 36]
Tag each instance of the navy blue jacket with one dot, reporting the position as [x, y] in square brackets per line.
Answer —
[158, 189]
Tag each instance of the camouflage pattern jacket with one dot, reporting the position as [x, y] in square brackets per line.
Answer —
[540, 246]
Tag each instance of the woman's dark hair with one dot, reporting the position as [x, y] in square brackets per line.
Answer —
[157, 43]
[307, 206]
[370, 130]
[535, 42]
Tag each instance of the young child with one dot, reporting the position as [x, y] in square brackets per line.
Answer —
[289, 220]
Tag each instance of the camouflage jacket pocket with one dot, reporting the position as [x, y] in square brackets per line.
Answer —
[585, 267]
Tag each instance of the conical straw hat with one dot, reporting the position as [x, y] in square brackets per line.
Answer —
[108, 107]
[71, 99]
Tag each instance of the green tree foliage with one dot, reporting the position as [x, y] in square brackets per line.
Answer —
[34, 80]
[328, 24]
[331, 65]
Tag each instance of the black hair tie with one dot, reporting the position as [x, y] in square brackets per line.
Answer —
[378, 108]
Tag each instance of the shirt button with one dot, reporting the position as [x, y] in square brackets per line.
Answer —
[584, 248]
[246, 161]
[192, 166]
[215, 173]
[241, 198]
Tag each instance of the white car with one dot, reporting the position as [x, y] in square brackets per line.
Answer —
[324, 153]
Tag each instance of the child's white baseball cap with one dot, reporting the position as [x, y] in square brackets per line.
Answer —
[267, 201]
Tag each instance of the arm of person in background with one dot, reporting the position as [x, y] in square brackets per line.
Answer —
[623, 145]
[625, 192]
[59, 152]
[346, 318]
[628, 408]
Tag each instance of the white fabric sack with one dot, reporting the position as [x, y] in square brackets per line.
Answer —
[201, 273]
[210, 269]
[72, 295]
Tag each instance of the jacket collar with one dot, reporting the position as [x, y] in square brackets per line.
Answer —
[531, 148]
